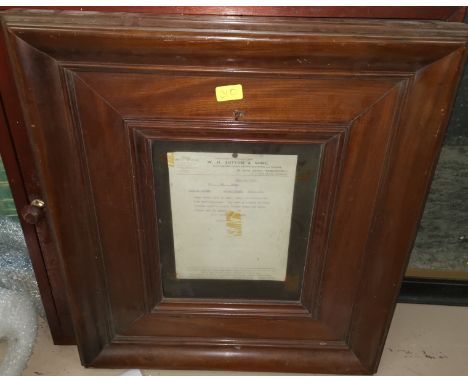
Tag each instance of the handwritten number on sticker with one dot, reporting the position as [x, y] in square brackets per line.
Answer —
[229, 93]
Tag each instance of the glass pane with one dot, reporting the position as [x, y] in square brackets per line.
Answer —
[234, 218]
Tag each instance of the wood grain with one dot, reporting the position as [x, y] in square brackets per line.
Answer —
[97, 89]
[408, 12]
[22, 176]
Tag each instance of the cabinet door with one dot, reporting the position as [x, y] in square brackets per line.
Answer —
[231, 192]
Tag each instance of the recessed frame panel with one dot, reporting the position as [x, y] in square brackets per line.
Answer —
[318, 150]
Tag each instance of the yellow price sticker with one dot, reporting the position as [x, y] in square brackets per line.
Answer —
[229, 93]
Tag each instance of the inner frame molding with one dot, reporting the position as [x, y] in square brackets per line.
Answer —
[143, 133]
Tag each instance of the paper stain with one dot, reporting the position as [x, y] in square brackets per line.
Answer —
[170, 159]
[233, 223]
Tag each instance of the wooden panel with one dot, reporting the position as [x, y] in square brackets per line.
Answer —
[97, 89]
[362, 172]
[24, 183]
[337, 359]
[421, 131]
[192, 96]
[103, 134]
[221, 42]
[422, 13]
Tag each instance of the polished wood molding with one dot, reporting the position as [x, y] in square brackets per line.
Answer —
[97, 89]
[454, 14]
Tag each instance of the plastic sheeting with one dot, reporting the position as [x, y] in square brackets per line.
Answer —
[16, 271]
[18, 326]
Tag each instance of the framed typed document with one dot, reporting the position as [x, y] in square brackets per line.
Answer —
[222, 192]
[234, 217]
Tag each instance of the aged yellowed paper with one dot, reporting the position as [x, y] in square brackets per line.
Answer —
[231, 214]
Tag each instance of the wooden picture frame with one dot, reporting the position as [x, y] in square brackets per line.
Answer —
[378, 91]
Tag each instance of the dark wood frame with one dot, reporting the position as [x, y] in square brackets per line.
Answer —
[142, 136]
[16, 153]
[332, 139]
[442, 13]
[48, 269]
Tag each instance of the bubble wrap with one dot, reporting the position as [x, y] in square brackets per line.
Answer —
[18, 326]
[16, 271]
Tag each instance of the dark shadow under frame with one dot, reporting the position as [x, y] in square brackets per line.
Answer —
[421, 290]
